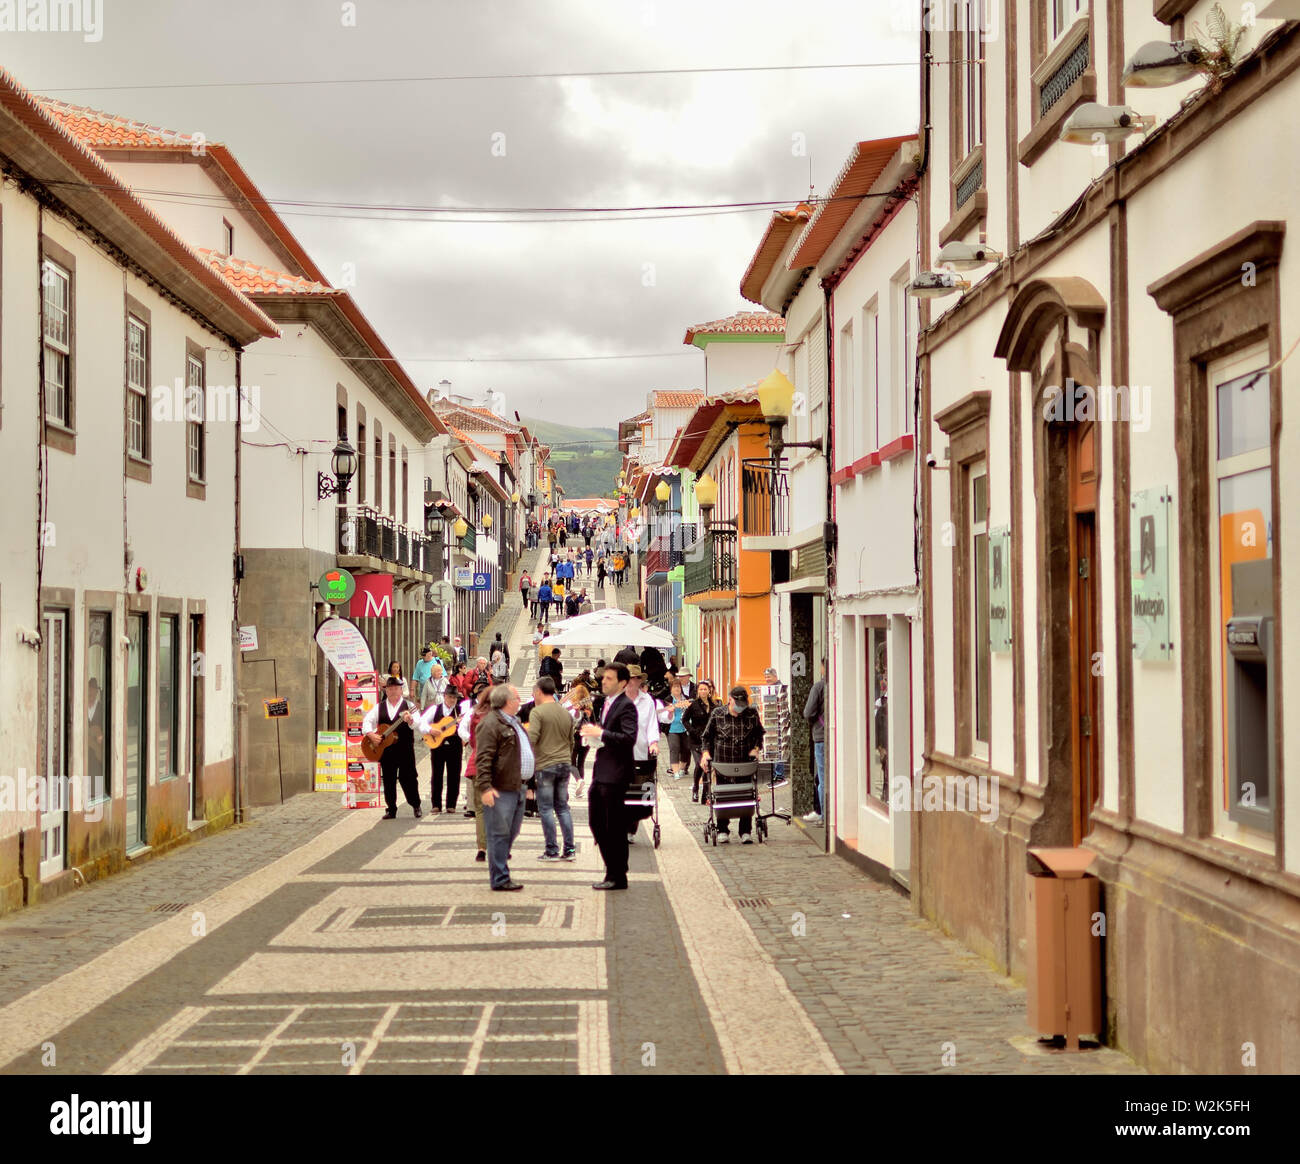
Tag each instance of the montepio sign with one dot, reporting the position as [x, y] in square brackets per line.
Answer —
[336, 586]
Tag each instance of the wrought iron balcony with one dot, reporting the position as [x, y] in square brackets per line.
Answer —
[365, 532]
[765, 498]
[711, 561]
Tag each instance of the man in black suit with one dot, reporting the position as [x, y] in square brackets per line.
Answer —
[612, 773]
[398, 761]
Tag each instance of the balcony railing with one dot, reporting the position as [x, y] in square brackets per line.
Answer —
[765, 498]
[366, 532]
[711, 562]
[657, 561]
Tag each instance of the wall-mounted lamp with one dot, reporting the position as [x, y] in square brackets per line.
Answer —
[1111, 123]
[936, 284]
[776, 399]
[343, 464]
[964, 256]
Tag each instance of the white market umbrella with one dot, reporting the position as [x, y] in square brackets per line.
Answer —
[603, 628]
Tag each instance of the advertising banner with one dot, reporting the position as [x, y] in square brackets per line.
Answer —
[360, 695]
[331, 762]
[373, 597]
[344, 646]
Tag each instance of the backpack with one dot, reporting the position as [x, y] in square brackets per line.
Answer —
[500, 669]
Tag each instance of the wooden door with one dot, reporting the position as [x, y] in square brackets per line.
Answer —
[1085, 636]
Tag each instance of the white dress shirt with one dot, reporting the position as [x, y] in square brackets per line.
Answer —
[648, 717]
[371, 722]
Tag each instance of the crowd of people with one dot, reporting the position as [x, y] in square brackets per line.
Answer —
[513, 751]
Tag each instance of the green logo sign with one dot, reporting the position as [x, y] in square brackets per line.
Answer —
[336, 586]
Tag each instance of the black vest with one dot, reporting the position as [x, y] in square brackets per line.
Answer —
[404, 747]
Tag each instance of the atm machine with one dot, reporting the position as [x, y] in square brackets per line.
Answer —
[1250, 678]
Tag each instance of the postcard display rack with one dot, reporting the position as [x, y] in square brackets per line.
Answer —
[773, 703]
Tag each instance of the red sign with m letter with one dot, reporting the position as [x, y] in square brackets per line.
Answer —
[373, 597]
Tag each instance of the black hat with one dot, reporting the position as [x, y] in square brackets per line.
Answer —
[392, 681]
[740, 695]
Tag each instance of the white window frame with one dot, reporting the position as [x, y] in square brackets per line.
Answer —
[56, 334]
[1061, 15]
[902, 359]
[848, 396]
[869, 422]
[1231, 367]
[137, 390]
[978, 528]
[195, 433]
[973, 71]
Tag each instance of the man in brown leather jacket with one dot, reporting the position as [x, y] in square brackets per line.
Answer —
[503, 762]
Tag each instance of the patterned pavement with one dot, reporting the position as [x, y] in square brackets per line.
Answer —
[319, 941]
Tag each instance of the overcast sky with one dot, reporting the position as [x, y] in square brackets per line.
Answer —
[536, 290]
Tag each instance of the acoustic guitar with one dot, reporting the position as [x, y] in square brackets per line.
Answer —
[442, 731]
[373, 751]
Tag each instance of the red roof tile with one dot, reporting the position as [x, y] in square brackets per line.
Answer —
[866, 163]
[252, 279]
[742, 323]
[73, 153]
[108, 131]
[667, 398]
[779, 229]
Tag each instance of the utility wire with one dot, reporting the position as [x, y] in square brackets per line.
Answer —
[462, 77]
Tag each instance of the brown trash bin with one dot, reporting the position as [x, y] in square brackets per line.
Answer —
[1064, 954]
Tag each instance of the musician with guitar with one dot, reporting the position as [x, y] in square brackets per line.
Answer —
[389, 738]
[439, 723]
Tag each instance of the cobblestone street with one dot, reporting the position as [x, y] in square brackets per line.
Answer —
[313, 940]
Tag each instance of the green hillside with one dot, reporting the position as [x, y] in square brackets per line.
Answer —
[585, 460]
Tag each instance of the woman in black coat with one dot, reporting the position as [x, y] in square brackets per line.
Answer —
[695, 718]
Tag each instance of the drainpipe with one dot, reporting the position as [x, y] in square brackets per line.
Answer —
[237, 703]
[829, 815]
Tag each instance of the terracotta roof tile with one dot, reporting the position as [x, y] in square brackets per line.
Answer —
[780, 227]
[107, 131]
[742, 323]
[668, 398]
[866, 163]
[252, 279]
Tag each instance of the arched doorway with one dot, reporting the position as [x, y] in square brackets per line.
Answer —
[1052, 334]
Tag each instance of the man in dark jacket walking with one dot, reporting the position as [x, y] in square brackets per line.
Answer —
[503, 764]
[612, 773]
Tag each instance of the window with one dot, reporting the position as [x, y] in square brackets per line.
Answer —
[973, 72]
[361, 458]
[379, 467]
[227, 237]
[846, 396]
[56, 298]
[392, 475]
[869, 397]
[99, 705]
[1063, 13]
[980, 661]
[877, 713]
[137, 388]
[343, 422]
[1241, 546]
[169, 703]
[406, 498]
[195, 411]
[902, 358]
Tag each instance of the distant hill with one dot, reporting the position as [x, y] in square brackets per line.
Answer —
[585, 460]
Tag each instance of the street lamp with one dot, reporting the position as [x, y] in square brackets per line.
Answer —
[515, 497]
[461, 528]
[343, 465]
[706, 496]
[663, 491]
[487, 521]
[776, 399]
